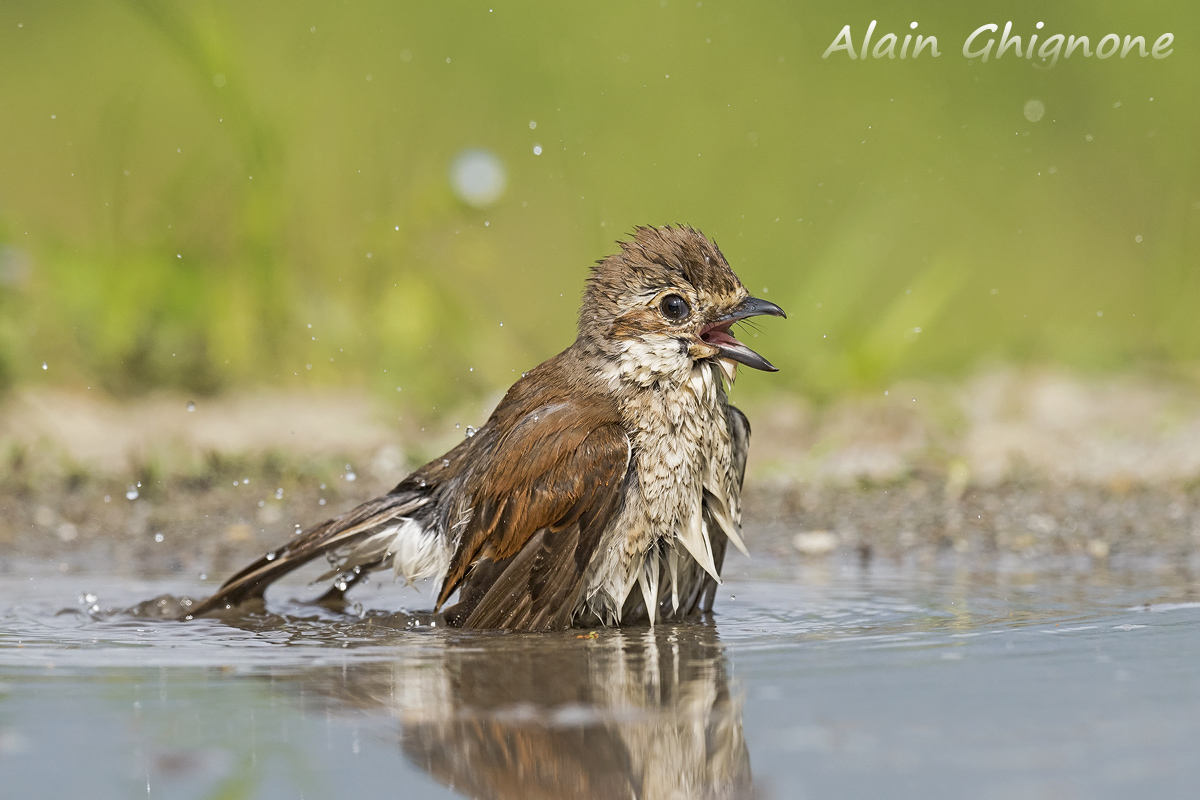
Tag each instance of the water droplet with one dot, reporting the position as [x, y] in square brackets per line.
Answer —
[478, 178]
[350, 476]
[270, 556]
[45, 365]
[532, 124]
[1138, 238]
[445, 462]
[279, 493]
[537, 149]
[132, 494]
[1034, 110]
[471, 431]
[321, 502]
[191, 406]
[158, 537]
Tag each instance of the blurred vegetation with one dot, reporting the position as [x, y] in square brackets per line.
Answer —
[211, 195]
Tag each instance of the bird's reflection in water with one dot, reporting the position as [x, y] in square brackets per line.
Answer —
[627, 714]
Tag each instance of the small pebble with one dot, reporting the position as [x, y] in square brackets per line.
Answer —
[815, 543]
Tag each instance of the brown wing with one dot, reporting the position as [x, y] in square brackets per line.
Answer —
[553, 483]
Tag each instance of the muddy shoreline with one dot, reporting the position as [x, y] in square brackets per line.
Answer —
[207, 525]
[1031, 465]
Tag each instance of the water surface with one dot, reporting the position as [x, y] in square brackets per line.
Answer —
[823, 679]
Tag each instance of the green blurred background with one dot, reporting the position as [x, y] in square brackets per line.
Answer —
[210, 196]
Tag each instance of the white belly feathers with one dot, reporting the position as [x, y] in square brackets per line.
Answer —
[682, 449]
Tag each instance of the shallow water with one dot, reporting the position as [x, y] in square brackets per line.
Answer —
[824, 679]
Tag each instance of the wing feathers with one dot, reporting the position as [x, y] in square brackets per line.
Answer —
[548, 525]
[354, 525]
[544, 473]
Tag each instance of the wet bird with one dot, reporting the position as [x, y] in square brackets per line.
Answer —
[605, 487]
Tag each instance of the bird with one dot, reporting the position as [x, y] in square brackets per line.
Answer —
[605, 487]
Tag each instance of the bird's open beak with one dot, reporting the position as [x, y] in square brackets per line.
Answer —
[716, 333]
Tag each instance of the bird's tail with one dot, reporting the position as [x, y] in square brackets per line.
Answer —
[381, 521]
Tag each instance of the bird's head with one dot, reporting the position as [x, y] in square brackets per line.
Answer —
[666, 301]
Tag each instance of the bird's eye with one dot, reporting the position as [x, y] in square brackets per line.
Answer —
[674, 307]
